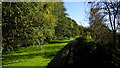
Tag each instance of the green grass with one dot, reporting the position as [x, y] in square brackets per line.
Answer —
[36, 55]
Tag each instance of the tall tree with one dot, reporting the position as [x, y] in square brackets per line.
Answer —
[110, 9]
[100, 32]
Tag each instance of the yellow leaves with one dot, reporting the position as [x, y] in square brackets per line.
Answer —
[49, 17]
[46, 17]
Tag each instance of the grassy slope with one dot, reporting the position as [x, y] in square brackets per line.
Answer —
[36, 55]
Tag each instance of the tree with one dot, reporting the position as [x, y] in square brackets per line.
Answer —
[103, 34]
[99, 31]
[110, 9]
[35, 23]
[27, 23]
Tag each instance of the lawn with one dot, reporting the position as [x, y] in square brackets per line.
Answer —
[33, 56]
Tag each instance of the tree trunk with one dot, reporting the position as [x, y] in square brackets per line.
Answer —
[119, 40]
[114, 38]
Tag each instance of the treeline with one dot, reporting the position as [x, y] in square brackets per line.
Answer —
[35, 23]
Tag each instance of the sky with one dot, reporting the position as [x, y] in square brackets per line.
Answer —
[78, 11]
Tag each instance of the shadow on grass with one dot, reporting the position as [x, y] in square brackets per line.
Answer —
[23, 67]
[8, 58]
[52, 42]
[12, 58]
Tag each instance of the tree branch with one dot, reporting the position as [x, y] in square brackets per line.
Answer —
[109, 14]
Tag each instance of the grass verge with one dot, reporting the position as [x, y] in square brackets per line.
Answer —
[34, 56]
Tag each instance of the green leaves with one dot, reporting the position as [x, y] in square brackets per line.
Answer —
[31, 23]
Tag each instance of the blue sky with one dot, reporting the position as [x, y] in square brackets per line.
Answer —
[78, 11]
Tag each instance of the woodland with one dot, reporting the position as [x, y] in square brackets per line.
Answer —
[31, 29]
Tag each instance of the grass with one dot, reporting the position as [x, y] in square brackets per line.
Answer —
[36, 55]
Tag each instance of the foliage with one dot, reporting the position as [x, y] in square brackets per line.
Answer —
[103, 35]
[35, 23]
[99, 31]
[110, 11]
